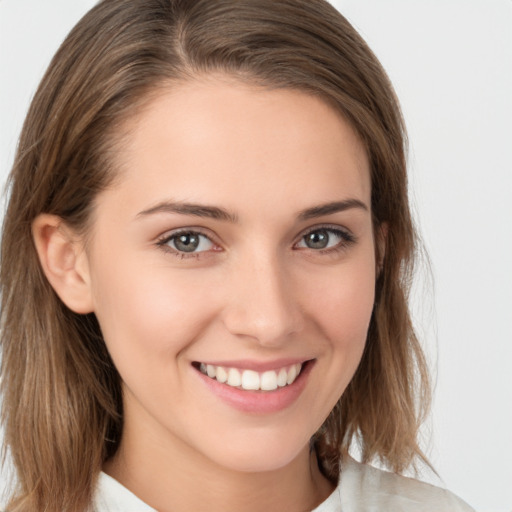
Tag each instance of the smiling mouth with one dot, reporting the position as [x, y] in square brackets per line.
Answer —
[251, 380]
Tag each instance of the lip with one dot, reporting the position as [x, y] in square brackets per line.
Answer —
[259, 402]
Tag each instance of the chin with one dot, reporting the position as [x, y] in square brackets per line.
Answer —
[263, 454]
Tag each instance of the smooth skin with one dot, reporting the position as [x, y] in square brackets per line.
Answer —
[212, 246]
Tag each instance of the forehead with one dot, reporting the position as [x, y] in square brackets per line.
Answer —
[222, 141]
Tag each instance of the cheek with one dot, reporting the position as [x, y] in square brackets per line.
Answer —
[344, 304]
[147, 313]
[343, 310]
[339, 305]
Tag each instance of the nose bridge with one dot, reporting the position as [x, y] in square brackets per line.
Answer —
[262, 304]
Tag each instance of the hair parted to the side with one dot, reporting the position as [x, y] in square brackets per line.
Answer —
[62, 402]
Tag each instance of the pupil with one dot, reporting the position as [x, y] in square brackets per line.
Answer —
[187, 242]
[317, 240]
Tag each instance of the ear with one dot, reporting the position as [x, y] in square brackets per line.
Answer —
[381, 235]
[64, 262]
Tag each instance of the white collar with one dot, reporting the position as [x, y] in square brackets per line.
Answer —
[361, 488]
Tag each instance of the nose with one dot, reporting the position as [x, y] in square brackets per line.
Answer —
[261, 302]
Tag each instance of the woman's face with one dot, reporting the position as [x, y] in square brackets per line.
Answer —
[237, 244]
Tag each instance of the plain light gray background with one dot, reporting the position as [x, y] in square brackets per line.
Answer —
[451, 64]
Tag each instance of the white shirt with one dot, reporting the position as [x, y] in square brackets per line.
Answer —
[361, 488]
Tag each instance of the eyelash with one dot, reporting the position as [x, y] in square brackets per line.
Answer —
[346, 237]
[164, 241]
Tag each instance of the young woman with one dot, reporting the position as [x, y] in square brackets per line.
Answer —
[205, 261]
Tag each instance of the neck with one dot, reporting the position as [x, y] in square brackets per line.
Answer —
[194, 480]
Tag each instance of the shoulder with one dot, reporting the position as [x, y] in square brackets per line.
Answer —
[363, 488]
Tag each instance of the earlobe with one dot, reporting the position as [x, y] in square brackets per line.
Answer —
[63, 261]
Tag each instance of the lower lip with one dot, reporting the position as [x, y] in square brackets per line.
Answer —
[259, 402]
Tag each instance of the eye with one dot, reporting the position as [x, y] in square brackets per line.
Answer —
[187, 242]
[325, 238]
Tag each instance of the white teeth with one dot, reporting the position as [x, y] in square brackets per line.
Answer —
[251, 380]
[269, 381]
[292, 373]
[282, 377]
[222, 374]
[211, 371]
[234, 377]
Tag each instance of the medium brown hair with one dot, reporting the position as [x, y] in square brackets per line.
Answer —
[62, 402]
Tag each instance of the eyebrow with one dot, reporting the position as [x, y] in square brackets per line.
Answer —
[330, 208]
[214, 212]
[197, 210]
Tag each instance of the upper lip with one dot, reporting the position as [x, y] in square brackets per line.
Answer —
[257, 366]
